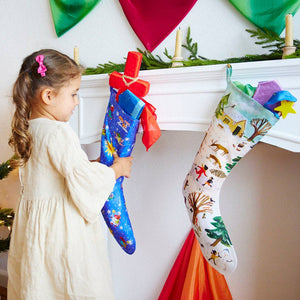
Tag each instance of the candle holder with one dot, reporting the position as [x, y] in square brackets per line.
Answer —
[177, 62]
[288, 50]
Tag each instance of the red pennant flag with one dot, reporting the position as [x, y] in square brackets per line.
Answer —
[148, 18]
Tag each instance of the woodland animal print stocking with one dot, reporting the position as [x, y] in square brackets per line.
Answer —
[237, 126]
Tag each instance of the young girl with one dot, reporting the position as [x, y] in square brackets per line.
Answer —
[57, 248]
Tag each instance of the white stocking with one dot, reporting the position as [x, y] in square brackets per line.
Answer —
[238, 124]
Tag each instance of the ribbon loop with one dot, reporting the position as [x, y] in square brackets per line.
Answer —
[132, 80]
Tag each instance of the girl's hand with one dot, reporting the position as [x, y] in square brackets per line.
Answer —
[122, 166]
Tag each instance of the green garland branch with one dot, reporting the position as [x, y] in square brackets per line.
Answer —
[265, 38]
[269, 39]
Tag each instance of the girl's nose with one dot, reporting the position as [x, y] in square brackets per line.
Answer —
[76, 100]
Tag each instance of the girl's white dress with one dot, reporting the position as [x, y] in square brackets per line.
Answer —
[57, 248]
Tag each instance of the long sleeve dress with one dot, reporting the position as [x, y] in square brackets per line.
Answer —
[57, 249]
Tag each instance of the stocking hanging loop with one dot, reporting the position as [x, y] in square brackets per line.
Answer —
[228, 73]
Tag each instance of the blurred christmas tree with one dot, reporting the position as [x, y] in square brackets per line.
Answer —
[6, 214]
[6, 219]
[5, 169]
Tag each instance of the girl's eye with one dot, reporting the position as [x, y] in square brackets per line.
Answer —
[74, 95]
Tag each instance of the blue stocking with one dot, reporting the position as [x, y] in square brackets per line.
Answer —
[118, 135]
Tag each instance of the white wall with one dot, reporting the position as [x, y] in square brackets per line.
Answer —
[259, 200]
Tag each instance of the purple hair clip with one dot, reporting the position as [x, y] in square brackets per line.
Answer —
[42, 68]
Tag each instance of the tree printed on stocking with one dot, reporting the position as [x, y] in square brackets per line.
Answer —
[261, 127]
[199, 203]
[220, 233]
[229, 167]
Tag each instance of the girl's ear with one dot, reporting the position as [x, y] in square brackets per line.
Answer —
[47, 95]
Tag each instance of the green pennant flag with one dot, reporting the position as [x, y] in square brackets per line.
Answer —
[67, 13]
[268, 14]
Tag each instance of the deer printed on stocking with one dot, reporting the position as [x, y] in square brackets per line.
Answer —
[216, 161]
[219, 147]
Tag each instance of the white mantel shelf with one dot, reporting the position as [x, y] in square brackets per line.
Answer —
[186, 98]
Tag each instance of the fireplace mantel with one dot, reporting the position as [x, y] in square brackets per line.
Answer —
[185, 98]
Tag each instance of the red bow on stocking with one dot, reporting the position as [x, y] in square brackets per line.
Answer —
[129, 80]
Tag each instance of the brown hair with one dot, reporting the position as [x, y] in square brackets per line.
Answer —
[60, 69]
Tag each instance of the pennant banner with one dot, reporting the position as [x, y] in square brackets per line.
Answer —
[154, 20]
[67, 13]
[267, 14]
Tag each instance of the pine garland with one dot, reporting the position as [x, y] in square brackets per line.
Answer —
[192, 47]
[269, 39]
[265, 37]
[105, 68]
[150, 61]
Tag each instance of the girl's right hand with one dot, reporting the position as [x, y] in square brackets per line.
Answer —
[122, 166]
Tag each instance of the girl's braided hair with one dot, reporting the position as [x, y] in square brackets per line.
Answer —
[60, 69]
